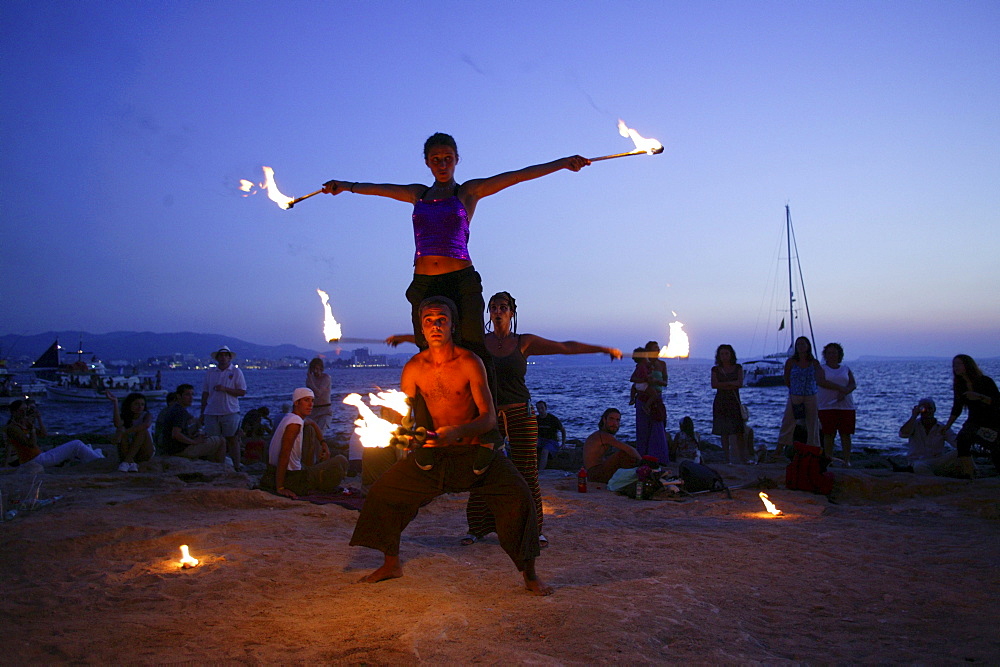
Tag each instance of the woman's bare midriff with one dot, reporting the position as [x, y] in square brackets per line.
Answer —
[435, 265]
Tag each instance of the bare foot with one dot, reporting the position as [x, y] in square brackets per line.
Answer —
[536, 586]
[387, 571]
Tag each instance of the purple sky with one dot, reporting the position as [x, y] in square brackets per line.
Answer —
[127, 126]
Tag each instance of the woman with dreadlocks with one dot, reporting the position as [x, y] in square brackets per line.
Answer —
[510, 351]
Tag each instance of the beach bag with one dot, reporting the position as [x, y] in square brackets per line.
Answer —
[807, 471]
[698, 477]
[628, 481]
[987, 435]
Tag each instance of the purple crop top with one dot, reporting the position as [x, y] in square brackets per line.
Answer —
[441, 227]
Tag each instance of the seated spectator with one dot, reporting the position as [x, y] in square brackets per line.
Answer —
[549, 427]
[687, 443]
[181, 430]
[257, 423]
[23, 430]
[598, 458]
[132, 422]
[161, 418]
[926, 437]
[288, 472]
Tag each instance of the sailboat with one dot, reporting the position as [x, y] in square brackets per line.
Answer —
[769, 370]
[89, 381]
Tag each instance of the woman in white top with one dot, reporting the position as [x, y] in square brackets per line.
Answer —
[835, 402]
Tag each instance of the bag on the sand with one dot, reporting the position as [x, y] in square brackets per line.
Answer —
[698, 477]
[628, 481]
[807, 471]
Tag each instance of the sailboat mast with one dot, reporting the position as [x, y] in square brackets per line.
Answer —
[802, 282]
[791, 295]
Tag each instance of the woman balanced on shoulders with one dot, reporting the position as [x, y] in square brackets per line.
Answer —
[442, 213]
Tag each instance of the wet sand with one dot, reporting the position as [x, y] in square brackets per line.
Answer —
[899, 569]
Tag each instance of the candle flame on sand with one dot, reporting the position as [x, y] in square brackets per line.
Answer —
[372, 430]
[678, 346]
[186, 559]
[642, 144]
[769, 505]
[331, 328]
[273, 193]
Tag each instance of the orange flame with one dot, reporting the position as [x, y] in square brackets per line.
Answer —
[392, 399]
[331, 328]
[246, 186]
[186, 559]
[769, 505]
[642, 144]
[678, 346]
[373, 431]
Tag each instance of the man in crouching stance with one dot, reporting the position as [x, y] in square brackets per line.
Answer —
[451, 382]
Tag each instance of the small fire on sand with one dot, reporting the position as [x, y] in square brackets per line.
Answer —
[186, 560]
[774, 511]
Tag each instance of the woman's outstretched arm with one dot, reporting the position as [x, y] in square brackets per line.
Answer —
[532, 344]
[404, 193]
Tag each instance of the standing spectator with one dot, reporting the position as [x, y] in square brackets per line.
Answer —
[220, 401]
[727, 411]
[650, 413]
[319, 381]
[835, 401]
[802, 372]
[979, 394]
[549, 427]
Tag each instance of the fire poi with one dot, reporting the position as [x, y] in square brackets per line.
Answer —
[642, 144]
[332, 329]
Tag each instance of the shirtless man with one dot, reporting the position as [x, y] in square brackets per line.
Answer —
[451, 383]
[600, 467]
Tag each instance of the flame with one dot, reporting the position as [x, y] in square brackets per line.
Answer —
[331, 328]
[373, 431]
[678, 346]
[642, 144]
[186, 559]
[273, 193]
[392, 399]
[246, 186]
[769, 505]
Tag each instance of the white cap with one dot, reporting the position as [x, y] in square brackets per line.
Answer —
[302, 392]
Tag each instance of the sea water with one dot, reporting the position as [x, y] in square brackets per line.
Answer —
[578, 394]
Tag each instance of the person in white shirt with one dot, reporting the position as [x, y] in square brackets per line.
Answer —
[835, 402]
[926, 438]
[220, 401]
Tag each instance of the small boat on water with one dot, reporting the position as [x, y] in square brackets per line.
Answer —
[89, 381]
[769, 370]
[13, 388]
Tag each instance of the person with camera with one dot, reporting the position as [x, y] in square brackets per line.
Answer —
[926, 437]
[25, 427]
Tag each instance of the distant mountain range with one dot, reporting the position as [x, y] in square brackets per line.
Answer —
[136, 346]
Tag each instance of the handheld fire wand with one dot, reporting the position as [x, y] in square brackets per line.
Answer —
[298, 199]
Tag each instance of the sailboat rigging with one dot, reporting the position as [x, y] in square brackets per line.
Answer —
[768, 371]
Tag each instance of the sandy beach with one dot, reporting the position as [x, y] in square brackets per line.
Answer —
[895, 569]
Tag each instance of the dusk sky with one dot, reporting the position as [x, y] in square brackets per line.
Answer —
[125, 128]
